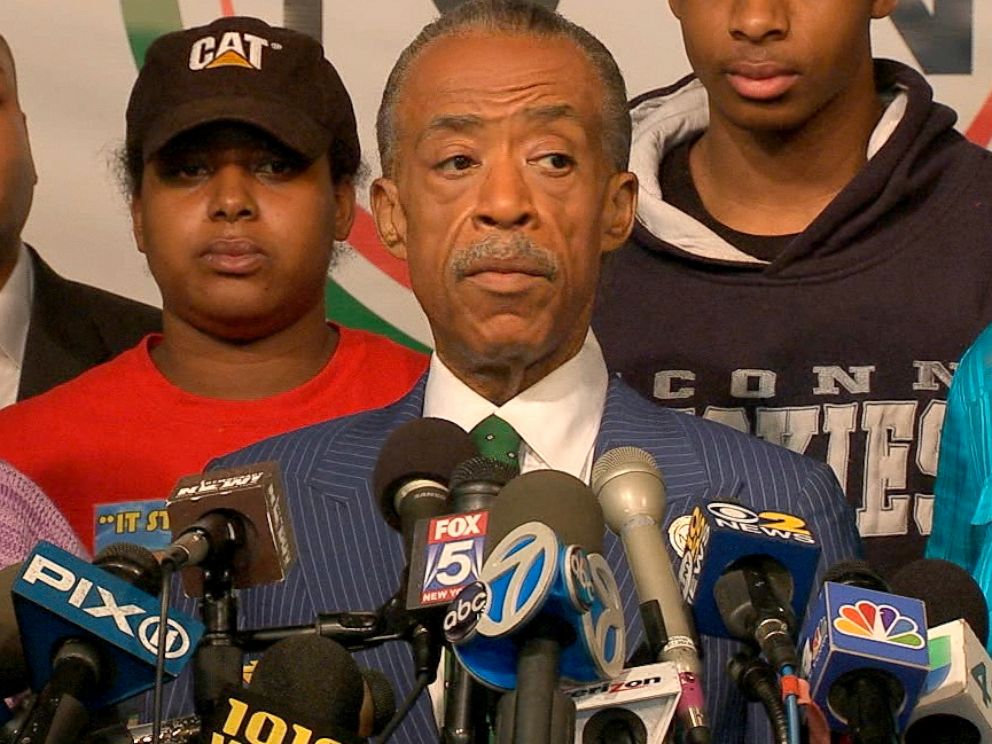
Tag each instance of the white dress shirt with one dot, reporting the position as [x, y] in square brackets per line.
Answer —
[15, 315]
[557, 418]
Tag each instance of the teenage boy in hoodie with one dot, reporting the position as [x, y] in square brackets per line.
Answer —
[812, 253]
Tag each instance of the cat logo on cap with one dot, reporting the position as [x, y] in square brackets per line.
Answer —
[233, 49]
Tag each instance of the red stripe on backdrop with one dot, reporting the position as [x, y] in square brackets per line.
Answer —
[227, 8]
[980, 131]
[364, 240]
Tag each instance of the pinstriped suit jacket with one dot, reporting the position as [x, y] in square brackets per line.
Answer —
[349, 559]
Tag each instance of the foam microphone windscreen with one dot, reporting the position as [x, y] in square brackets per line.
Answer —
[481, 469]
[856, 573]
[316, 677]
[135, 564]
[559, 500]
[948, 591]
[382, 698]
[425, 448]
[13, 669]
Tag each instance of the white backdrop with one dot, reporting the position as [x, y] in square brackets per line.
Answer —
[76, 65]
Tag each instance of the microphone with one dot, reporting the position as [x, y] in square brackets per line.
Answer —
[303, 689]
[237, 517]
[748, 575]
[477, 481]
[230, 530]
[452, 549]
[864, 655]
[543, 567]
[89, 635]
[954, 705]
[636, 706]
[379, 705]
[948, 591]
[631, 492]
[447, 550]
[759, 683]
[186, 730]
[546, 605]
[412, 472]
[410, 483]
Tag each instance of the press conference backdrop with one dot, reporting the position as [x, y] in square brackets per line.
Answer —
[77, 59]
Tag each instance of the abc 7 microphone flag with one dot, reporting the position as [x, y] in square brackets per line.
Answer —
[530, 572]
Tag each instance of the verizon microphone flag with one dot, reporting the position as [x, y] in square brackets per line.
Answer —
[649, 692]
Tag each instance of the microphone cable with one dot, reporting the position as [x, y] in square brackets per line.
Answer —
[163, 634]
[756, 679]
[423, 680]
[791, 705]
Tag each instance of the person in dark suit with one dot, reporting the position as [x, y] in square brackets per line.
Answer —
[51, 329]
[504, 136]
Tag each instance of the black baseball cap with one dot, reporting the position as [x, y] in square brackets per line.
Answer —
[243, 70]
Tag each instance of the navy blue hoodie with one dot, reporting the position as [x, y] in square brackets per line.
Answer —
[843, 346]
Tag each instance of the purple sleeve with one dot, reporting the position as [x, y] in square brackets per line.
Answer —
[27, 516]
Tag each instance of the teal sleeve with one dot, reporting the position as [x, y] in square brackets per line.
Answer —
[963, 493]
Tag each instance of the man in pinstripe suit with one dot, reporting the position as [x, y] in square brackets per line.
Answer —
[504, 142]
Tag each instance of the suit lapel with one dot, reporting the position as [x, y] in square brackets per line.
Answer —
[340, 517]
[61, 342]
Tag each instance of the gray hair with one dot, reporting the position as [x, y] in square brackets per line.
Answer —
[516, 17]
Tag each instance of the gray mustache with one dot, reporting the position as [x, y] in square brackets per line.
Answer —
[516, 247]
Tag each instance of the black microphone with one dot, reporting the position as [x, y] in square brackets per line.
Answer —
[236, 518]
[477, 481]
[474, 485]
[948, 591]
[231, 529]
[379, 706]
[759, 683]
[865, 654]
[83, 665]
[412, 473]
[955, 705]
[748, 574]
[411, 484]
[303, 689]
[631, 491]
[447, 550]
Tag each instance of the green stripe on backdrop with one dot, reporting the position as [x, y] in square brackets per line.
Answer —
[343, 308]
[146, 20]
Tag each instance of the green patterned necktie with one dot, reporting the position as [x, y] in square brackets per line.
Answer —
[497, 439]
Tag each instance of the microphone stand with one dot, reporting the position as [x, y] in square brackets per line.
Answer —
[537, 712]
[219, 659]
[463, 693]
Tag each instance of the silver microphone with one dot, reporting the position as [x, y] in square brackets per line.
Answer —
[631, 492]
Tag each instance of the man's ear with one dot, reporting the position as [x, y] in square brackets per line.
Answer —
[344, 208]
[676, 6]
[137, 224]
[27, 144]
[619, 210]
[390, 220]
